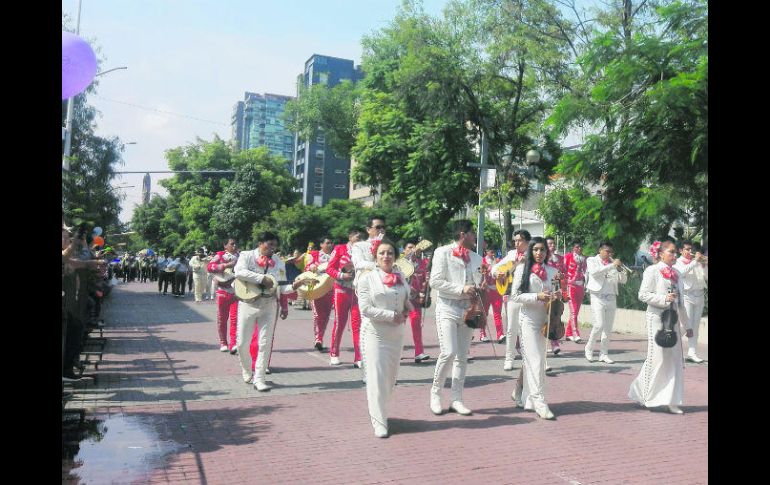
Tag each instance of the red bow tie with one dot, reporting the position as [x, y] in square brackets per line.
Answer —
[375, 245]
[605, 263]
[669, 274]
[462, 253]
[539, 270]
[264, 260]
[390, 279]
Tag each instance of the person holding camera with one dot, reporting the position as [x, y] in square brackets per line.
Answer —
[456, 277]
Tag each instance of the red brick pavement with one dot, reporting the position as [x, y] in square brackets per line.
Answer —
[300, 435]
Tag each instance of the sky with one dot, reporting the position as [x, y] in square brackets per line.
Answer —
[190, 61]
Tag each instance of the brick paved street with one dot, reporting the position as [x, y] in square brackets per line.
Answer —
[176, 410]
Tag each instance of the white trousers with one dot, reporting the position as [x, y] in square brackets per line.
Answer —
[533, 359]
[198, 286]
[454, 338]
[694, 302]
[381, 346]
[512, 329]
[261, 312]
[603, 310]
[661, 379]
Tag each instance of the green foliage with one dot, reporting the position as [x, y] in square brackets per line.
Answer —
[647, 79]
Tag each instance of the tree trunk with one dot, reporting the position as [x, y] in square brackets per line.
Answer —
[507, 229]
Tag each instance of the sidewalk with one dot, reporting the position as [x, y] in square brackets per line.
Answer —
[183, 414]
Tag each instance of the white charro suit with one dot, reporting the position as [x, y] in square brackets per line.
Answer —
[262, 311]
[602, 283]
[694, 278]
[448, 277]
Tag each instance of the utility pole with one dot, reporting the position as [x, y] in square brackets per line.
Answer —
[483, 165]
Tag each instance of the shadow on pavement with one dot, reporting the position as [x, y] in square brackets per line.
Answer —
[585, 407]
[406, 426]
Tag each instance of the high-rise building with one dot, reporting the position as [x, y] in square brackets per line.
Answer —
[258, 121]
[323, 174]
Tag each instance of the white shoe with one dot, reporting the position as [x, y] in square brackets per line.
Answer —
[675, 410]
[247, 377]
[261, 386]
[606, 359]
[435, 405]
[484, 339]
[459, 408]
[380, 431]
[508, 365]
[548, 368]
[267, 371]
[693, 357]
[544, 413]
[357, 364]
[516, 396]
[577, 339]
[334, 361]
[589, 355]
[223, 348]
[421, 357]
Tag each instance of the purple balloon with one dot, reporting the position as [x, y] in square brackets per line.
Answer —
[78, 65]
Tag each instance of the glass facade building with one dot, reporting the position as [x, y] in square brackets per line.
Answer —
[258, 121]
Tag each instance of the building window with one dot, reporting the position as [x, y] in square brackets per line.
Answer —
[320, 139]
[319, 154]
[339, 186]
[319, 171]
[340, 170]
[318, 185]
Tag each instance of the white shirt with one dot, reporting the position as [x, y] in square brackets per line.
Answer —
[247, 269]
[362, 257]
[654, 289]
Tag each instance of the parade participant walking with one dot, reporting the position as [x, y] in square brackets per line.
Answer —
[363, 260]
[694, 271]
[263, 267]
[163, 276]
[321, 307]
[456, 276]
[604, 274]
[180, 276]
[345, 301]
[383, 297]
[575, 269]
[661, 379]
[516, 257]
[227, 305]
[198, 267]
[556, 261]
[417, 284]
[493, 298]
[531, 289]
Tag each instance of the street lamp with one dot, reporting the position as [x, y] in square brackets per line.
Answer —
[532, 156]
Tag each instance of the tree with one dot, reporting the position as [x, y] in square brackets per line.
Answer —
[646, 74]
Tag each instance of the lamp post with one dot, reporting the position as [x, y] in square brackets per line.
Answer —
[483, 165]
[532, 156]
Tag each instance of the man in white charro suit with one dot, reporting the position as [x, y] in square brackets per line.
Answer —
[456, 276]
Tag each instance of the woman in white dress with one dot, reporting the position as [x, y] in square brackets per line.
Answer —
[533, 293]
[661, 380]
[383, 298]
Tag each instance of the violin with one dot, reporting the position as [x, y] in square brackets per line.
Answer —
[666, 336]
[554, 327]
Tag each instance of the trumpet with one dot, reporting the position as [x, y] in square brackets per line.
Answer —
[625, 269]
[701, 258]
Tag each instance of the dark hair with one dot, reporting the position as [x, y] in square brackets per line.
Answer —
[665, 243]
[696, 247]
[355, 231]
[324, 238]
[530, 260]
[267, 236]
[550, 238]
[391, 244]
[524, 233]
[411, 240]
[684, 243]
[668, 239]
[227, 240]
[372, 218]
[576, 243]
[461, 225]
[606, 243]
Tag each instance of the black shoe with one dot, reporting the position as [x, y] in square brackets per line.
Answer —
[319, 346]
[70, 376]
[556, 351]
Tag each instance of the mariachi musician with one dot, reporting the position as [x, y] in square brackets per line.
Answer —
[413, 253]
[493, 298]
[345, 301]
[322, 306]
[575, 269]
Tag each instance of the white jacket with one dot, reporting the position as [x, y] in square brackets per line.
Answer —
[362, 257]
[694, 276]
[655, 288]
[450, 274]
[603, 279]
[247, 269]
[378, 302]
[532, 310]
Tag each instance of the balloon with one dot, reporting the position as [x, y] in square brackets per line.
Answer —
[78, 65]
[98, 241]
[98, 231]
